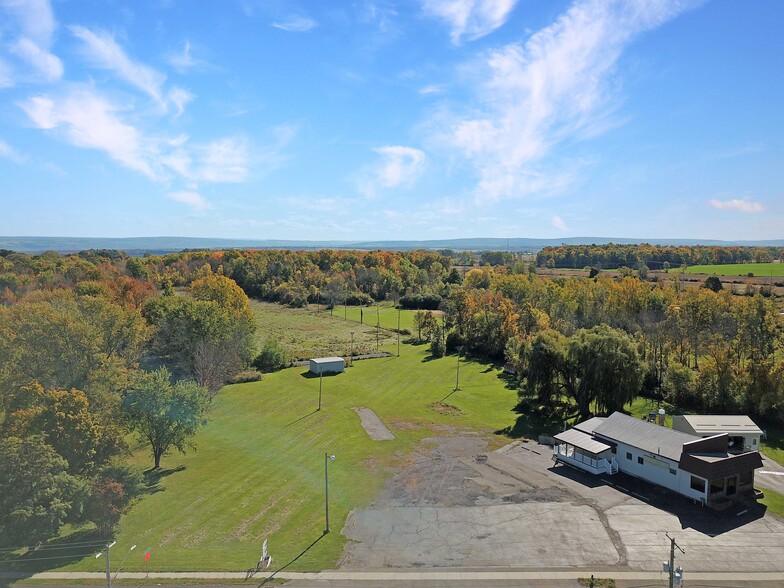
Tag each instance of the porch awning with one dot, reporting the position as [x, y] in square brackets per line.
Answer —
[581, 440]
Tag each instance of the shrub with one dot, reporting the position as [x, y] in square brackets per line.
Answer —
[249, 375]
[272, 358]
[438, 346]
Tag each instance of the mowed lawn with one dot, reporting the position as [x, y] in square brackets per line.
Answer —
[317, 332]
[739, 269]
[259, 469]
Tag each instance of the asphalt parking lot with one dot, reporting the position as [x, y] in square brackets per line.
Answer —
[457, 505]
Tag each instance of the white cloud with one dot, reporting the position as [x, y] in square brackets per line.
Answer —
[559, 223]
[192, 199]
[36, 26]
[225, 160]
[35, 18]
[179, 97]
[400, 165]
[88, 120]
[471, 19]
[103, 52]
[8, 152]
[183, 61]
[47, 64]
[739, 205]
[431, 89]
[6, 77]
[296, 24]
[553, 87]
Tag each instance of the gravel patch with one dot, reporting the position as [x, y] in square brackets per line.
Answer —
[377, 430]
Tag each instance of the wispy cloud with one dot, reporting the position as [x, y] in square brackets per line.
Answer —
[223, 161]
[399, 165]
[8, 152]
[553, 87]
[184, 60]
[6, 76]
[102, 51]
[746, 206]
[471, 19]
[35, 19]
[559, 223]
[193, 199]
[47, 64]
[431, 89]
[296, 24]
[36, 25]
[88, 120]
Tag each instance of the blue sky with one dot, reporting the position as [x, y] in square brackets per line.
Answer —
[368, 119]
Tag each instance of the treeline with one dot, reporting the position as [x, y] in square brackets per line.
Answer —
[75, 332]
[613, 256]
[602, 342]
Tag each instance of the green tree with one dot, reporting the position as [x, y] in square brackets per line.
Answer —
[37, 494]
[165, 415]
[713, 283]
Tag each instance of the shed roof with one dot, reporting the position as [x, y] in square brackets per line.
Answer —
[581, 440]
[320, 360]
[722, 423]
[643, 435]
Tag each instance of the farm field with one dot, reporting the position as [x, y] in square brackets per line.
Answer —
[259, 469]
[760, 270]
[308, 332]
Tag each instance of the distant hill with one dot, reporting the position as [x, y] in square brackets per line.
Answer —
[158, 245]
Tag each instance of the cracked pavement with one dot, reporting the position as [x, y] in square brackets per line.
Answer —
[457, 505]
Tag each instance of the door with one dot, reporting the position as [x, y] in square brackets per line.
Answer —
[732, 485]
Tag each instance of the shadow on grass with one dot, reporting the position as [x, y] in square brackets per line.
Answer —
[302, 418]
[53, 554]
[153, 477]
[535, 419]
[252, 572]
[310, 375]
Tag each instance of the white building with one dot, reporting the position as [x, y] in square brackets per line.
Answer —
[701, 469]
[327, 365]
[744, 434]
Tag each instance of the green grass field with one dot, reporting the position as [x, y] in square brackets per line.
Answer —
[774, 501]
[259, 469]
[308, 332]
[760, 270]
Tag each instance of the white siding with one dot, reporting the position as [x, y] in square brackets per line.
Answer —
[656, 469]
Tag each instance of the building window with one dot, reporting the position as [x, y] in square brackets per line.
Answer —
[639, 460]
[673, 472]
[628, 455]
[697, 484]
[717, 486]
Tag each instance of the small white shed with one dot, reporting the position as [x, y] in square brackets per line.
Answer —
[327, 365]
[744, 434]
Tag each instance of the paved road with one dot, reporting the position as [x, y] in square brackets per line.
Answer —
[771, 476]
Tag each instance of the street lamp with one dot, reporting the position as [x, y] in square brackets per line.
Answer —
[351, 357]
[123, 561]
[327, 459]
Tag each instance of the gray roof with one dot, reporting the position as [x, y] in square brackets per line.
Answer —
[643, 435]
[706, 424]
[581, 440]
[320, 360]
[589, 425]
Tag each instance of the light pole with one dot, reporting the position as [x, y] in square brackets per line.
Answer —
[117, 571]
[108, 565]
[351, 357]
[327, 459]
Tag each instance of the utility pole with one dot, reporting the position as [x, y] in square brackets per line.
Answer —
[351, 357]
[671, 568]
[398, 331]
[108, 564]
[327, 459]
[321, 381]
[457, 381]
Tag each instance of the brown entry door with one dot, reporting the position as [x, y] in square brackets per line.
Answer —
[732, 485]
